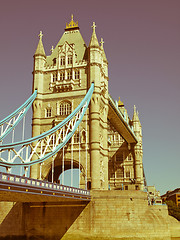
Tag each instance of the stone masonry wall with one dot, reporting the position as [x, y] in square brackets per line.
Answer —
[119, 215]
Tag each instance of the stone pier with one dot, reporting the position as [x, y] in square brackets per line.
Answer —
[123, 215]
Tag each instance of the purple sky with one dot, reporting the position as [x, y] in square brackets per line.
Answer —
[142, 41]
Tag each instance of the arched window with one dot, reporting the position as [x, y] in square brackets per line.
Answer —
[77, 75]
[62, 61]
[83, 136]
[65, 108]
[54, 77]
[69, 59]
[54, 61]
[69, 75]
[76, 138]
[48, 112]
[62, 75]
[128, 175]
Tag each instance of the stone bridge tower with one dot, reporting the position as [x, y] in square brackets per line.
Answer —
[112, 157]
[62, 80]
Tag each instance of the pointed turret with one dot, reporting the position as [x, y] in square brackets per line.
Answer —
[136, 122]
[135, 115]
[39, 63]
[40, 47]
[102, 48]
[138, 151]
[94, 40]
[95, 62]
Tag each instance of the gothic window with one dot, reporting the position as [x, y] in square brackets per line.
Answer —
[69, 59]
[48, 112]
[69, 75]
[76, 138]
[65, 108]
[77, 74]
[83, 136]
[54, 77]
[62, 61]
[54, 61]
[128, 174]
[129, 157]
[62, 75]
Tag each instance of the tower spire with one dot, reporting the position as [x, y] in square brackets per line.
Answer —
[94, 40]
[40, 47]
[135, 115]
[102, 48]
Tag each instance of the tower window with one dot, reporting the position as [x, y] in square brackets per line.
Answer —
[69, 59]
[48, 112]
[128, 174]
[69, 75]
[77, 75]
[65, 108]
[129, 157]
[76, 137]
[62, 61]
[62, 76]
[54, 77]
[54, 61]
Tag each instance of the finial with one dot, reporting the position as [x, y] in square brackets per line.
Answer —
[40, 35]
[52, 49]
[134, 108]
[102, 42]
[120, 103]
[94, 26]
[72, 24]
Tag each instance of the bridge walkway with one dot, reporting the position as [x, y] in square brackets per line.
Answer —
[15, 188]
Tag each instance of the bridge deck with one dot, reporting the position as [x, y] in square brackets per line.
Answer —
[15, 188]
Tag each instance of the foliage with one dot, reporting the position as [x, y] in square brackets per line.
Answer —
[173, 209]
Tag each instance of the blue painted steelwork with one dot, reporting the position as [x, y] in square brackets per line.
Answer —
[25, 106]
[21, 184]
[83, 105]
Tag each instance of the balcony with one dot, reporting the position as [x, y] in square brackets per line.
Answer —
[62, 85]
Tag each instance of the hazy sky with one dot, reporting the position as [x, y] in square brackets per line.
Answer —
[142, 41]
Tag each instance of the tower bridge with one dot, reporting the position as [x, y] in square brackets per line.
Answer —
[105, 145]
[62, 79]
[76, 124]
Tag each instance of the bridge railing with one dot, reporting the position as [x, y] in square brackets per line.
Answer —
[29, 182]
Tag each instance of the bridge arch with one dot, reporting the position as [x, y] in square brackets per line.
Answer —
[56, 168]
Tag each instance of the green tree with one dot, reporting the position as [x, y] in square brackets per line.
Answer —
[173, 210]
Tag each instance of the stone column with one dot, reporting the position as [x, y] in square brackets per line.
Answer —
[95, 141]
